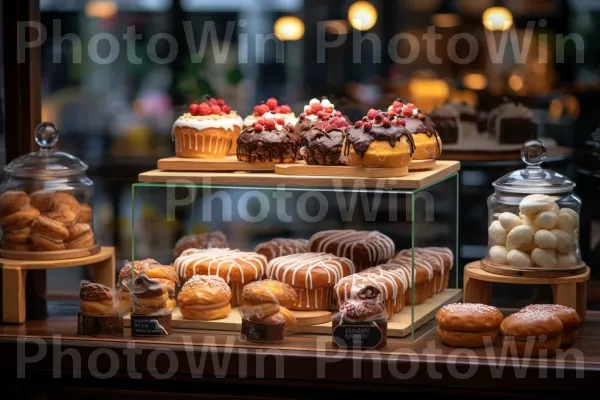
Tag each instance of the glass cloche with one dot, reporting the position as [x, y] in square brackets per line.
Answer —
[534, 216]
[45, 201]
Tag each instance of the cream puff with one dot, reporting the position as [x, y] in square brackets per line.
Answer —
[205, 298]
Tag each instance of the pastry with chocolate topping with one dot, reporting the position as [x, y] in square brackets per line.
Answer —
[150, 297]
[447, 122]
[511, 123]
[314, 112]
[379, 142]
[98, 299]
[270, 141]
[322, 144]
[428, 144]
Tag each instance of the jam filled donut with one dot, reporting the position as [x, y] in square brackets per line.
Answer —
[468, 324]
[379, 142]
[312, 275]
[13, 201]
[323, 143]
[208, 240]
[427, 142]
[533, 333]
[568, 316]
[205, 298]
[282, 247]
[365, 248]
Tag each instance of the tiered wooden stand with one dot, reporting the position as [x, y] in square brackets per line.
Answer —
[14, 275]
[569, 289]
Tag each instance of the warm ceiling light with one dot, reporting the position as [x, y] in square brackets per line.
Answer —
[103, 9]
[445, 20]
[437, 88]
[515, 82]
[337, 27]
[289, 28]
[475, 81]
[497, 19]
[362, 15]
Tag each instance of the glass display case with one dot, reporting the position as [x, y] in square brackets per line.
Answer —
[401, 232]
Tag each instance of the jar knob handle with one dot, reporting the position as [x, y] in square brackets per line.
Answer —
[46, 135]
[533, 153]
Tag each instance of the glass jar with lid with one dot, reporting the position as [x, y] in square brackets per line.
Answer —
[45, 204]
[534, 217]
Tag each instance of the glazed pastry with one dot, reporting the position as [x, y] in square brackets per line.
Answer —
[426, 140]
[532, 333]
[312, 275]
[270, 140]
[378, 142]
[207, 131]
[98, 299]
[447, 121]
[269, 291]
[441, 260]
[208, 240]
[237, 268]
[150, 297]
[511, 123]
[363, 305]
[314, 112]
[282, 247]
[402, 281]
[569, 318]
[13, 201]
[422, 286]
[468, 324]
[205, 298]
[271, 106]
[365, 248]
[19, 220]
[322, 144]
[167, 275]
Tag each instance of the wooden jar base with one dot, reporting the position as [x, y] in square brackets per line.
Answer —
[99, 325]
[151, 325]
[49, 255]
[508, 270]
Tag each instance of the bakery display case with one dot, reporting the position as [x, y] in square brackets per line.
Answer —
[321, 235]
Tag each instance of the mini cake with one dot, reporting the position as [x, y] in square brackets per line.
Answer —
[440, 258]
[468, 118]
[282, 247]
[314, 112]
[447, 121]
[207, 131]
[511, 123]
[468, 324]
[209, 240]
[205, 298]
[569, 318]
[400, 277]
[365, 248]
[378, 142]
[270, 141]
[322, 144]
[312, 275]
[427, 142]
[532, 333]
[422, 286]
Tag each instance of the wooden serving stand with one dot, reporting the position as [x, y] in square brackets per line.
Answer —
[14, 275]
[400, 325]
[569, 288]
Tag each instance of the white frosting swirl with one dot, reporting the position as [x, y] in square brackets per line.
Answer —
[288, 118]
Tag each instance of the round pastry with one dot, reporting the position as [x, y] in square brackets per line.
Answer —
[163, 273]
[312, 275]
[205, 298]
[441, 260]
[77, 230]
[250, 309]
[535, 333]
[19, 220]
[378, 142]
[43, 200]
[45, 243]
[365, 248]
[208, 240]
[282, 247]
[314, 112]
[52, 229]
[82, 242]
[150, 297]
[21, 236]
[394, 273]
[236, 267]
[270, 141]
[269, 291]
[288, 316]
[138, 267]
[421, 287]
[207, 131]
[468, 324]
[271, 106]
[60, 198]
[85, 214]
[569, 318]
[389, 288]
[6, 245]
[427, 143]
[13, 201]
[62, 213]
[97, 299]
[322, 144]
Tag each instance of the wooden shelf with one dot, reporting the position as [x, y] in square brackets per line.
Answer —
[414, 180]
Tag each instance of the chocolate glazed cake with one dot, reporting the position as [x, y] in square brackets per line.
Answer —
[512, 123]
[424, 125]
[322, 144]
[268, 141]
[446, 119]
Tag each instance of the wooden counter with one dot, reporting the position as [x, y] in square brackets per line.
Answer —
[215, 362]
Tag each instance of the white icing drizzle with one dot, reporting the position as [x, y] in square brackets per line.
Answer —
[327, 106]
[428, 255]
[379, 247]
[379, 280]
[212, 261]
[282, 247]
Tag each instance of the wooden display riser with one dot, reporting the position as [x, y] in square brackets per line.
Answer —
[398, 326]
[414, 180]
[14, 275]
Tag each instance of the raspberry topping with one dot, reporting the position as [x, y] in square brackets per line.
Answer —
[285, 109]
[372, 114]
[408, 110]
[210, 106]
[272, 103]
[203, 109]
[261, 109]
[226, 109]
[333, 123]
[367, 126]
[194, 109]
[270, 124]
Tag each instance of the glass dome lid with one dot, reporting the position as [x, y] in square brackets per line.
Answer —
[534, 179]
[47, 162]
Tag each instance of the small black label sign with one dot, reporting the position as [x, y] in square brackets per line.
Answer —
[360, 335]
[265, 333]
[151, 325]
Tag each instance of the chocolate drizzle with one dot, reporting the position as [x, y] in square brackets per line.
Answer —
[322, 145]
[95, 291]
[360, 139]
[145, 287]
[268, 145]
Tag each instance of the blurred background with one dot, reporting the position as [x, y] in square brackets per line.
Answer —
[117, 115]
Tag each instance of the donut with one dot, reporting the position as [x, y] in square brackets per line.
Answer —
[13, 201]
[85, 214]
[62, 213]
[568, 316]
[19, 220]
[21, 236]
[49, 228]
[281, 247]
[82, 242]
[205, 298]
[468, 324]
[43, 200]
[44, 243]
[532, 333]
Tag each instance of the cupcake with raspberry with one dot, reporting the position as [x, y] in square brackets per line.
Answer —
[378, 141]
[315, 111]
[207, 130]
[428, 144]
[271, 106]
[322, 144]
[269, 141]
